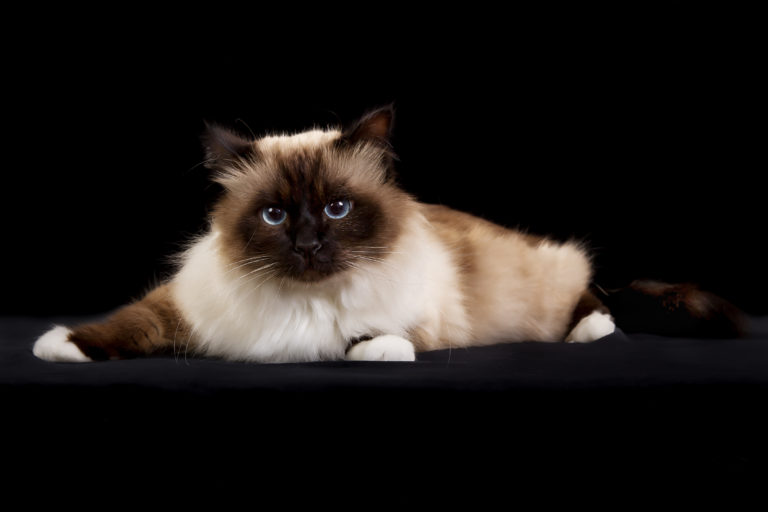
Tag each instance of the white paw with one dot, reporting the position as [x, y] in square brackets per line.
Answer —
[54, 345]
[592, 327]
[383, 348]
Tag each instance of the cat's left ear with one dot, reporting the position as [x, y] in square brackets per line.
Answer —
[375, 127]
[224, 147]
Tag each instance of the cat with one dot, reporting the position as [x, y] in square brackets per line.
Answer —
[315, 253]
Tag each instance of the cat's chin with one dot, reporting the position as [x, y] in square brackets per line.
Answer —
[313, 272]
[313, 275]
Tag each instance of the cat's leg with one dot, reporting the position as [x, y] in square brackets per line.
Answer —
[387, 347]
[148, 326]
[590, 320]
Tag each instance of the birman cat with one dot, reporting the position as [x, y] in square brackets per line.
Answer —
[313, 252]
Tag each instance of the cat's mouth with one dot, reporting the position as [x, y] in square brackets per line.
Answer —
[312, 268]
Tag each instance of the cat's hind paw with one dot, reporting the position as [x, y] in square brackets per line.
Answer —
[592, 327]
[383, 348]
[55, 346]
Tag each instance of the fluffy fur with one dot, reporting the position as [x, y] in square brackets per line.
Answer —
[403, 275]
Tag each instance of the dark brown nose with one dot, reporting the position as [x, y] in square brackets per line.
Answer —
[307, 239]
[307, 246]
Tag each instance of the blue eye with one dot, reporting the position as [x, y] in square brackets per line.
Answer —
[273, 215]
[338, 209]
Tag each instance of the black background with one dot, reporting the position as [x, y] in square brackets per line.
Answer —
[636, 132]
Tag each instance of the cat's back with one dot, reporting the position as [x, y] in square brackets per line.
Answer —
[517, 286]
[450, 222]
[469, 236]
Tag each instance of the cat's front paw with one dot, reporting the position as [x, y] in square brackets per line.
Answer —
[383, 348]
[55, 346]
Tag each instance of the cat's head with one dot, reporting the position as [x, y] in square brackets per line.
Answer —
[311, 205]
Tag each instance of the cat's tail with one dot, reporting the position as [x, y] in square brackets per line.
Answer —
[681, 310]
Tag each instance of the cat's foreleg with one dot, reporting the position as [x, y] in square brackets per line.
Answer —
[145, 327]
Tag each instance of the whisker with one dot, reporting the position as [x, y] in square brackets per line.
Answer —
[370, 259]
[245, 265]
[261, 257]
[376, 260]
[186, 345]
[249, 240]
[269, 276]
[264, 267]
[246, 260]
[396, 278]
[186, 349]
[263, 271]
[239, 263]
[379, 275]
[369, 252]
[176, 332]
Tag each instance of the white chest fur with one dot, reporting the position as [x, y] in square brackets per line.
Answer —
[236, 316]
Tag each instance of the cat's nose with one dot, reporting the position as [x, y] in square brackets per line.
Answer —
[307, 247]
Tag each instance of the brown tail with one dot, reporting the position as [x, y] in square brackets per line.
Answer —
[682, 310]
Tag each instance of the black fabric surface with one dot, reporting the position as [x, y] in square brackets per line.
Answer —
[622, 405]
[616, 361]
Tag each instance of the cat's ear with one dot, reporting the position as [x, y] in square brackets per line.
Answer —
[223, 146]
[375, 126]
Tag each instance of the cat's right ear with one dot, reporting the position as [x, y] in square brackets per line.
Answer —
[223, 147]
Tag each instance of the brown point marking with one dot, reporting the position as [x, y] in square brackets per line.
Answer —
[145, 327]
[302, 181]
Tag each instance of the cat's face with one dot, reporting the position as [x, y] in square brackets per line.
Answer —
[308, 206]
